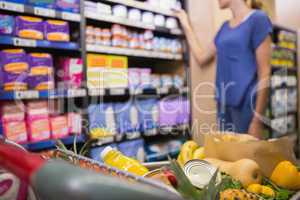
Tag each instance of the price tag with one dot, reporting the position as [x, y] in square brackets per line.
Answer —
[44, 12]
[76, 93]
[97, 92]
[12, 6]
[176, 31]
[164, 90]
[24, 42]
[117, 91]
[27, 95]
[151, 132]
[70, 16]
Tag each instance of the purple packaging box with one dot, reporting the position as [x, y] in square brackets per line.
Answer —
[56, 30]
[168, 112]
[7, 24]
[14, 69]
[29, 27]
[183, 116]
[68, 5]
[41, 73]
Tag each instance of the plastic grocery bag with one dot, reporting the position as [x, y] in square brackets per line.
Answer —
[233, 147]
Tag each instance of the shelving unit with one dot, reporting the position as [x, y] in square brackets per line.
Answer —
[161, 62]
[284, 101]
[39, 11]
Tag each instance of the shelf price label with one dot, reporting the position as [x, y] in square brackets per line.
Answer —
[27, 95]
[76, 93]
[44, 12]
[24, 42]
[117, 91]
[12, 6]
[70, 16]
[96, 92]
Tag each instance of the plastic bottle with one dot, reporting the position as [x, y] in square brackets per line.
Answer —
[117, 160]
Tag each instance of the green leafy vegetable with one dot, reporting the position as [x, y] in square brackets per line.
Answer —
[229, 183]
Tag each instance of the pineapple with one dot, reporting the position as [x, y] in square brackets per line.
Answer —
[234, 194]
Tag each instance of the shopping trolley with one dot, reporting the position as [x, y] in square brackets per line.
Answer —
[55, 179]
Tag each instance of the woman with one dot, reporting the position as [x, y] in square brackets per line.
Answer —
[242, 47]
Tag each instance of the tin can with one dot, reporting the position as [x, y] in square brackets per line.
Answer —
[200, 173]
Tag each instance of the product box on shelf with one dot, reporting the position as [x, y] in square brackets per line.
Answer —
[102, 120]
[117, 72]
[13, 122]
[148, 114]
[59, 126]
[145, 74]
[68, 5]
[133, 149]
[183, 115]
[38, 123]
[41, 74]
[134, 78]
[126, 115]
[42, 3]
[168, 112]
[97, 66]
[29, 27]
[57, 30]
[14, 68]
[70, 73]
[7, 24]
[75, 123]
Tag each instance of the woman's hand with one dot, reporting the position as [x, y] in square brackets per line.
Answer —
[256, 128]
[183, 18]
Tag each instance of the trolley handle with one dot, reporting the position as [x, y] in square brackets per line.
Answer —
[18, 161]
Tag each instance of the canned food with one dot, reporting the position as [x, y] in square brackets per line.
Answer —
[200, 173]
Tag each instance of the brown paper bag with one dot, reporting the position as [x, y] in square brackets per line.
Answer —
[235, 147]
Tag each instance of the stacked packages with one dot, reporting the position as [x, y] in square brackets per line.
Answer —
[35, 28]
[34, 122]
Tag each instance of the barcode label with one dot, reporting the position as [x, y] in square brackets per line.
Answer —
[70, 16]
[27, 95]
[24, 42]
[44, 12]
[11, 6]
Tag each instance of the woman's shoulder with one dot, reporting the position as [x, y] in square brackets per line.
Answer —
[260, 14]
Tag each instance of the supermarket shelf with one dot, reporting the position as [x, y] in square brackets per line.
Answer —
[38, 11]
[48, 144]
[284, 87]
[127, 22]
[146, 91]
[132, 52]
[16, 41]
[118, 20]
[281, 115]
[292, 69]
[142, 6]
[284, 48]
[46, 94]
[162, 156]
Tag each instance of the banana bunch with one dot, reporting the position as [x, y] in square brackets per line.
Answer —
[189, 151]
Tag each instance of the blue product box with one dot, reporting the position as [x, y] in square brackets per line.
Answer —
[95, 153]
[134, 149]
[127, 118]
[7, 24]
[148, 114]
[102, 116]
[16, 1]
[68, 5]
[50, 4]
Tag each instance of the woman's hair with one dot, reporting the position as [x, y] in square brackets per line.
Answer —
[255, 4]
